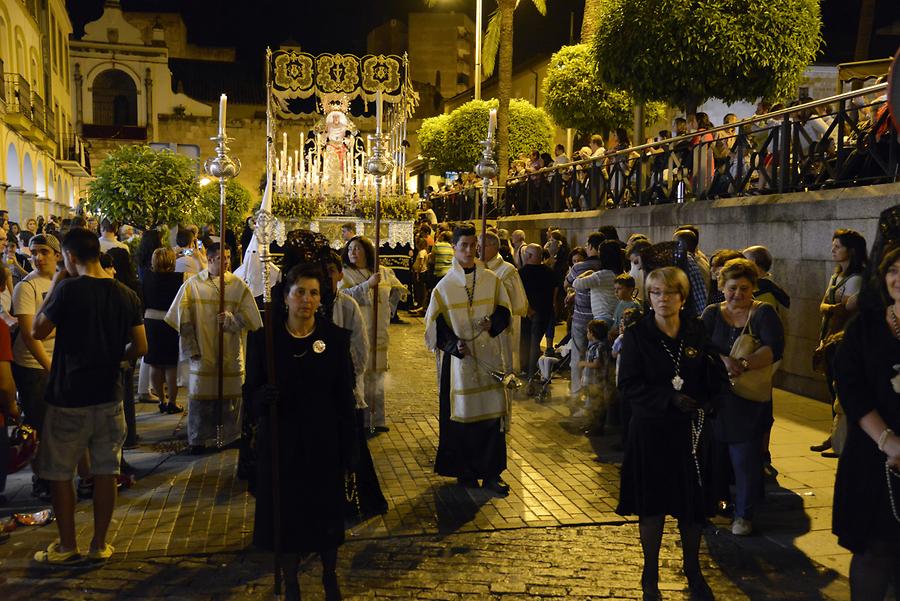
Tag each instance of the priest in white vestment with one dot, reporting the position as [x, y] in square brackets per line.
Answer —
[195, 314]
[469, 309]
[489, 251]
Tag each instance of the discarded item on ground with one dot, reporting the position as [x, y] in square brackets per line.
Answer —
[38, 518]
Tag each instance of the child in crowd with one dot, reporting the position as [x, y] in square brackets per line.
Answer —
[624, 289]
[594, 388]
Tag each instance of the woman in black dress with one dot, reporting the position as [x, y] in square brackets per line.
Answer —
[667, 376]
[313, 396]
[160, 286]
[866, 515]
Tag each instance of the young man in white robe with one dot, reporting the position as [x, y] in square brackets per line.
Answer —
[195, 314]
[489, 251]
[469, 310]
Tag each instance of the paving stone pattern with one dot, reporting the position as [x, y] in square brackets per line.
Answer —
[183, 532]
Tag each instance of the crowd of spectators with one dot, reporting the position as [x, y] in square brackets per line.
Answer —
[699, 159]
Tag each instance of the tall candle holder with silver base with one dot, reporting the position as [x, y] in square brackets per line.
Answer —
[486, 169]
[224, 167]
[379, 165]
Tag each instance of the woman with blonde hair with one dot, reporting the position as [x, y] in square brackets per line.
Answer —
[668, 379]
[160, 286]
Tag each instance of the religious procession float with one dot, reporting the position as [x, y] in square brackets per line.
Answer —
[333, 173]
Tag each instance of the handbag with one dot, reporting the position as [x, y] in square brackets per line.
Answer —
[753, 384]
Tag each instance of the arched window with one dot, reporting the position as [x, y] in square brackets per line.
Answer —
[115, 99]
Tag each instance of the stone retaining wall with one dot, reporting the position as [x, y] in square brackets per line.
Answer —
[797, 229]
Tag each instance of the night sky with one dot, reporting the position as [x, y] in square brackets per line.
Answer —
[250, 26]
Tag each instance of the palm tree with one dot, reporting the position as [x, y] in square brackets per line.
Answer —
[591, 20]
[498, 41]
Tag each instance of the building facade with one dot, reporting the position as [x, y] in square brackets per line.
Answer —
[43, 164]
[442, 51]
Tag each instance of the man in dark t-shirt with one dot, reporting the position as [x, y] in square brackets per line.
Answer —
[98, 324]
[540, 283]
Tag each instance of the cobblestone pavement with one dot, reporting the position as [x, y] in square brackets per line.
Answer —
[183, 531]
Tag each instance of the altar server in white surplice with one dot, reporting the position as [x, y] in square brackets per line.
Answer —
[195, 314]
[469, 309]
[489, 251]
[360, 281]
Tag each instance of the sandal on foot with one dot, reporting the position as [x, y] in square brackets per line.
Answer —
[101, 554]
[54, 556]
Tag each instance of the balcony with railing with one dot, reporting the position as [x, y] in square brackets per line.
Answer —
[18, 102]
[38, 133]
[73, 156]
[2, 90]
[846, 140]
[46, 130]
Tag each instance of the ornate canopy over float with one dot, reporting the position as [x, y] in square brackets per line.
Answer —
[326, 174]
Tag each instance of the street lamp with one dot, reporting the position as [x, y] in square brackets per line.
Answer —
[478, 12]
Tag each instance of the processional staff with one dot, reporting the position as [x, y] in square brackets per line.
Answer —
[379, 164]
[265, 227]
[224, 167]
[486, 169]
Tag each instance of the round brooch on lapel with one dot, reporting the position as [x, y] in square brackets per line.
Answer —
[319, 346]
[691, 352]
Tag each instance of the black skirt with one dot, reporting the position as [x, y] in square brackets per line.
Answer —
[162, 343]
[659, 476]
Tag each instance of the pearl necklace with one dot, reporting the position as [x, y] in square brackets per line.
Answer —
[696, 430]
[696, 423]
[889, 474]
[895, 326]
[677, 381]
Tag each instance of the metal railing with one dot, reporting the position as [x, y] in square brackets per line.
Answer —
[73, 149]
[49, 125]
[2, 84]
[38, 111]
[18, 94]
[845, 140]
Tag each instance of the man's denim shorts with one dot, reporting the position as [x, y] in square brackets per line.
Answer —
[68, 432]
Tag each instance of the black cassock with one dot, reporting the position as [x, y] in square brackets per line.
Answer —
[475, 450]
[317, 435]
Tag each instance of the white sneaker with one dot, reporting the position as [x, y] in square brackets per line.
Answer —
[741, 527]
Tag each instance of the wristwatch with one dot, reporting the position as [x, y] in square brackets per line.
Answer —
[744, 363]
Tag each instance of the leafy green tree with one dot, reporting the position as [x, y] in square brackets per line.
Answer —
[466, 127]
[237, 205]
[684, 51]
[144, 188]
[497, 48]
[433, 141]
[574, 95]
